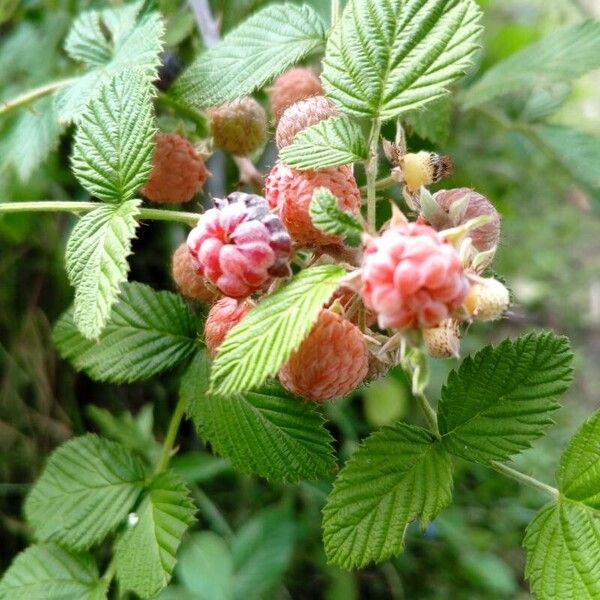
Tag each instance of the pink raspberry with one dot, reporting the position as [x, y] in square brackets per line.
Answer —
[330, 363]
[292, 191]
[240, 245]
[224, 315]
[178, 172]
[301, 115]
[412, 277]
[294, 85]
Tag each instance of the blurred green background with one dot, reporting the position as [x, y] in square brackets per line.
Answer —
[255, 539]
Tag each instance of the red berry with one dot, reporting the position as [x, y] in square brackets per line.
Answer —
[189, 283]
[294, 85]
[412, 277]
[331, 362]
[301, 115]
[239, 127]
[224, 315]
[178, 173]
[239, 245]
[292, 192]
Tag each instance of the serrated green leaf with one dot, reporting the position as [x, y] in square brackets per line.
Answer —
[266, 337]
[328, 217]
[112, 155]
[87, 42]
[386, 57]
[398, 474]
[544, 101]
[145, 554]
[48, 572]
[578, 151]
[262, 550]
[96, 263]
[561, 56]
[251, 55]
[503, 398]
[578, 475]
[147, 333]
[265, 432]
[30, 140]
[135, 46]
[330, 143]
[86, 490]
[432, 122]
[563, 552]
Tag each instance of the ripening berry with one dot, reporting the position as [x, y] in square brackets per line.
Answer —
[412, 277]
[239, 127]
[464, 204]
[301, 115]
[239, 245]
[189, 283]
[291, 191]
[330, 363]
[487, 300]
[424, 168]
[443, 341]
[291, 87]
[225, 314]
[178, 172]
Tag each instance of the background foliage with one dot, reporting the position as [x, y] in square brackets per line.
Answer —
[533, 151]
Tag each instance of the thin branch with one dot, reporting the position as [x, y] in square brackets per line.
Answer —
[526, 479]
[150, 214]
[208, 26]
[34, 94]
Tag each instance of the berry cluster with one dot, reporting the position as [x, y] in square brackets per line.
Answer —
[424, 276]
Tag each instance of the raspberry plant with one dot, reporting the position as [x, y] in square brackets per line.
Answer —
[407, 288]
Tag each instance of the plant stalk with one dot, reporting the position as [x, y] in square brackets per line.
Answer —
[525, 479]
[167, 448]
[382, 184]
[371, 168]
[428, 412]
[335, 11]
[34, 94]
[151, 214]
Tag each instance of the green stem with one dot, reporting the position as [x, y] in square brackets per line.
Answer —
[428, 412]
[108, 575]
[167, 447]
[371, 168]
[34, 94]
[151, 214]
[382, 184]
[335, 11]
[525, 479]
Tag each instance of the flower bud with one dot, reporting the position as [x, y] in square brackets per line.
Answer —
[487, 300]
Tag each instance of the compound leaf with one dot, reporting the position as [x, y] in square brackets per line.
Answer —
[251, 55]
[328, 217]
[145, 554]
[47, 572]
[563, 552]
[386, 57]
[96, 262]
[86, 490]
[148, 332]
[330, 143]
[503, 398]
[264, 432]
[397, 474]
[266, 337]
[112, 156]
[561, 56]
[578, 474]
